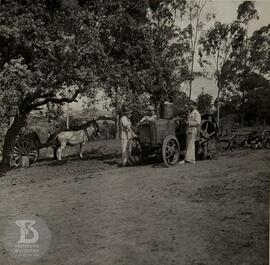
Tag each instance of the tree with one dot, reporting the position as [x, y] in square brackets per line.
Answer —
[142, 54]
[204, 102]
[245, 14]
[259, 51]
[48, 54]
[255, 84]
[215, 48]
[121, 33]
[195, 8]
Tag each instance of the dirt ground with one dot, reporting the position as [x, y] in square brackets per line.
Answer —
[211, 213]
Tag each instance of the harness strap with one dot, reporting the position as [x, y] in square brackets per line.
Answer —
[87, 134]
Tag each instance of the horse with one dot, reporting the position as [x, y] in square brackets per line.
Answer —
[79, 135]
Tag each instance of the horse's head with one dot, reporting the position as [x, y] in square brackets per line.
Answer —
[96, 127]
[93, 129]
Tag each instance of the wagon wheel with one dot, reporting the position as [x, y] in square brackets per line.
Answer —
[24, 147]
[170, 150]
[211, 148]
[208, 135]
[134, 150]
[207, 130]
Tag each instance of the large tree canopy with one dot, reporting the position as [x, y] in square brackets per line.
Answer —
[49, 53]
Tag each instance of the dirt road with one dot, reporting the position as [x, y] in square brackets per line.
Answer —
[213, 213]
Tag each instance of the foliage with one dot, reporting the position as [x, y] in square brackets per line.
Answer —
[48, 54]
[246, 12]
[50, 51]
[260, 51]
[204, 103]
[143, 55]
[181, 105]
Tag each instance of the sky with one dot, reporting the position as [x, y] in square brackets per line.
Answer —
[226, 11]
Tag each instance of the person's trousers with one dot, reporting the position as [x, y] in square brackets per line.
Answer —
[124, 151]
[191, 138]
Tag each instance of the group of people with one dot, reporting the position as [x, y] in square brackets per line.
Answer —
[193, 124]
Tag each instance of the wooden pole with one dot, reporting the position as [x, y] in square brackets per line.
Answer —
[67, 116]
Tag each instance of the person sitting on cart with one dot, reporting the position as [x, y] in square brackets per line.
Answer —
[151, 115]
[126, 134]
[193, 126]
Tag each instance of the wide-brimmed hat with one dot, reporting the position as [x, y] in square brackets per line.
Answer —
[151, 108]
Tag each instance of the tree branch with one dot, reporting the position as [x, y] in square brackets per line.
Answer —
[57, 100]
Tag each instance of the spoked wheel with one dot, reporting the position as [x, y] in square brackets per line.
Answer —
[24, 147]
[207, 130]
[170, 151]
[134, 151]
[208, 133]
[209, 149]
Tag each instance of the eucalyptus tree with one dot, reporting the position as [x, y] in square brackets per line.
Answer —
[216, 46]
[246, 13]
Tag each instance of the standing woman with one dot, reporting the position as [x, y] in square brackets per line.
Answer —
[193, 125]
[126, 134]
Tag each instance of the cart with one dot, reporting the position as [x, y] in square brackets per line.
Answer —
[155, 138]
[164, 137]
[27, 145]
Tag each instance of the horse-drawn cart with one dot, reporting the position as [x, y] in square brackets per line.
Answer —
[164, 137]
[29, 144]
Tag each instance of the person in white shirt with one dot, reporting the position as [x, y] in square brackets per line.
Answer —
[126, 134]
[151, 116]
[193, 126]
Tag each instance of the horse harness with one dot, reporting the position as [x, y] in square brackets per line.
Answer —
[87, 134]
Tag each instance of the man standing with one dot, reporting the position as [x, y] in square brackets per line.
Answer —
[126, 134]
[193, 125]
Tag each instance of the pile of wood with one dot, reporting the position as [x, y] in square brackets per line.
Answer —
[242, 139]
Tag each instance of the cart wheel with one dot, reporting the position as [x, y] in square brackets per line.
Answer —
[24, 147]
[211, 148]
[170, 151]
[207, 129]
[134, 151]
[208, 132]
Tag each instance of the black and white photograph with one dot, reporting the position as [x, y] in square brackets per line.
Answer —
[134, 132]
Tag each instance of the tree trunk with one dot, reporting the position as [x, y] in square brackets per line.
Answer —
[242, 108]
[156, 106]
[218, 108]
[117, 126]
[190, 87]
[11, 136]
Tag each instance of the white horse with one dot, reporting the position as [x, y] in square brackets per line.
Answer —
[74, 137]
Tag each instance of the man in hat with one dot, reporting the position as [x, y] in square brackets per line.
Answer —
[193, 125]
[151, 116]
[126, 134]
